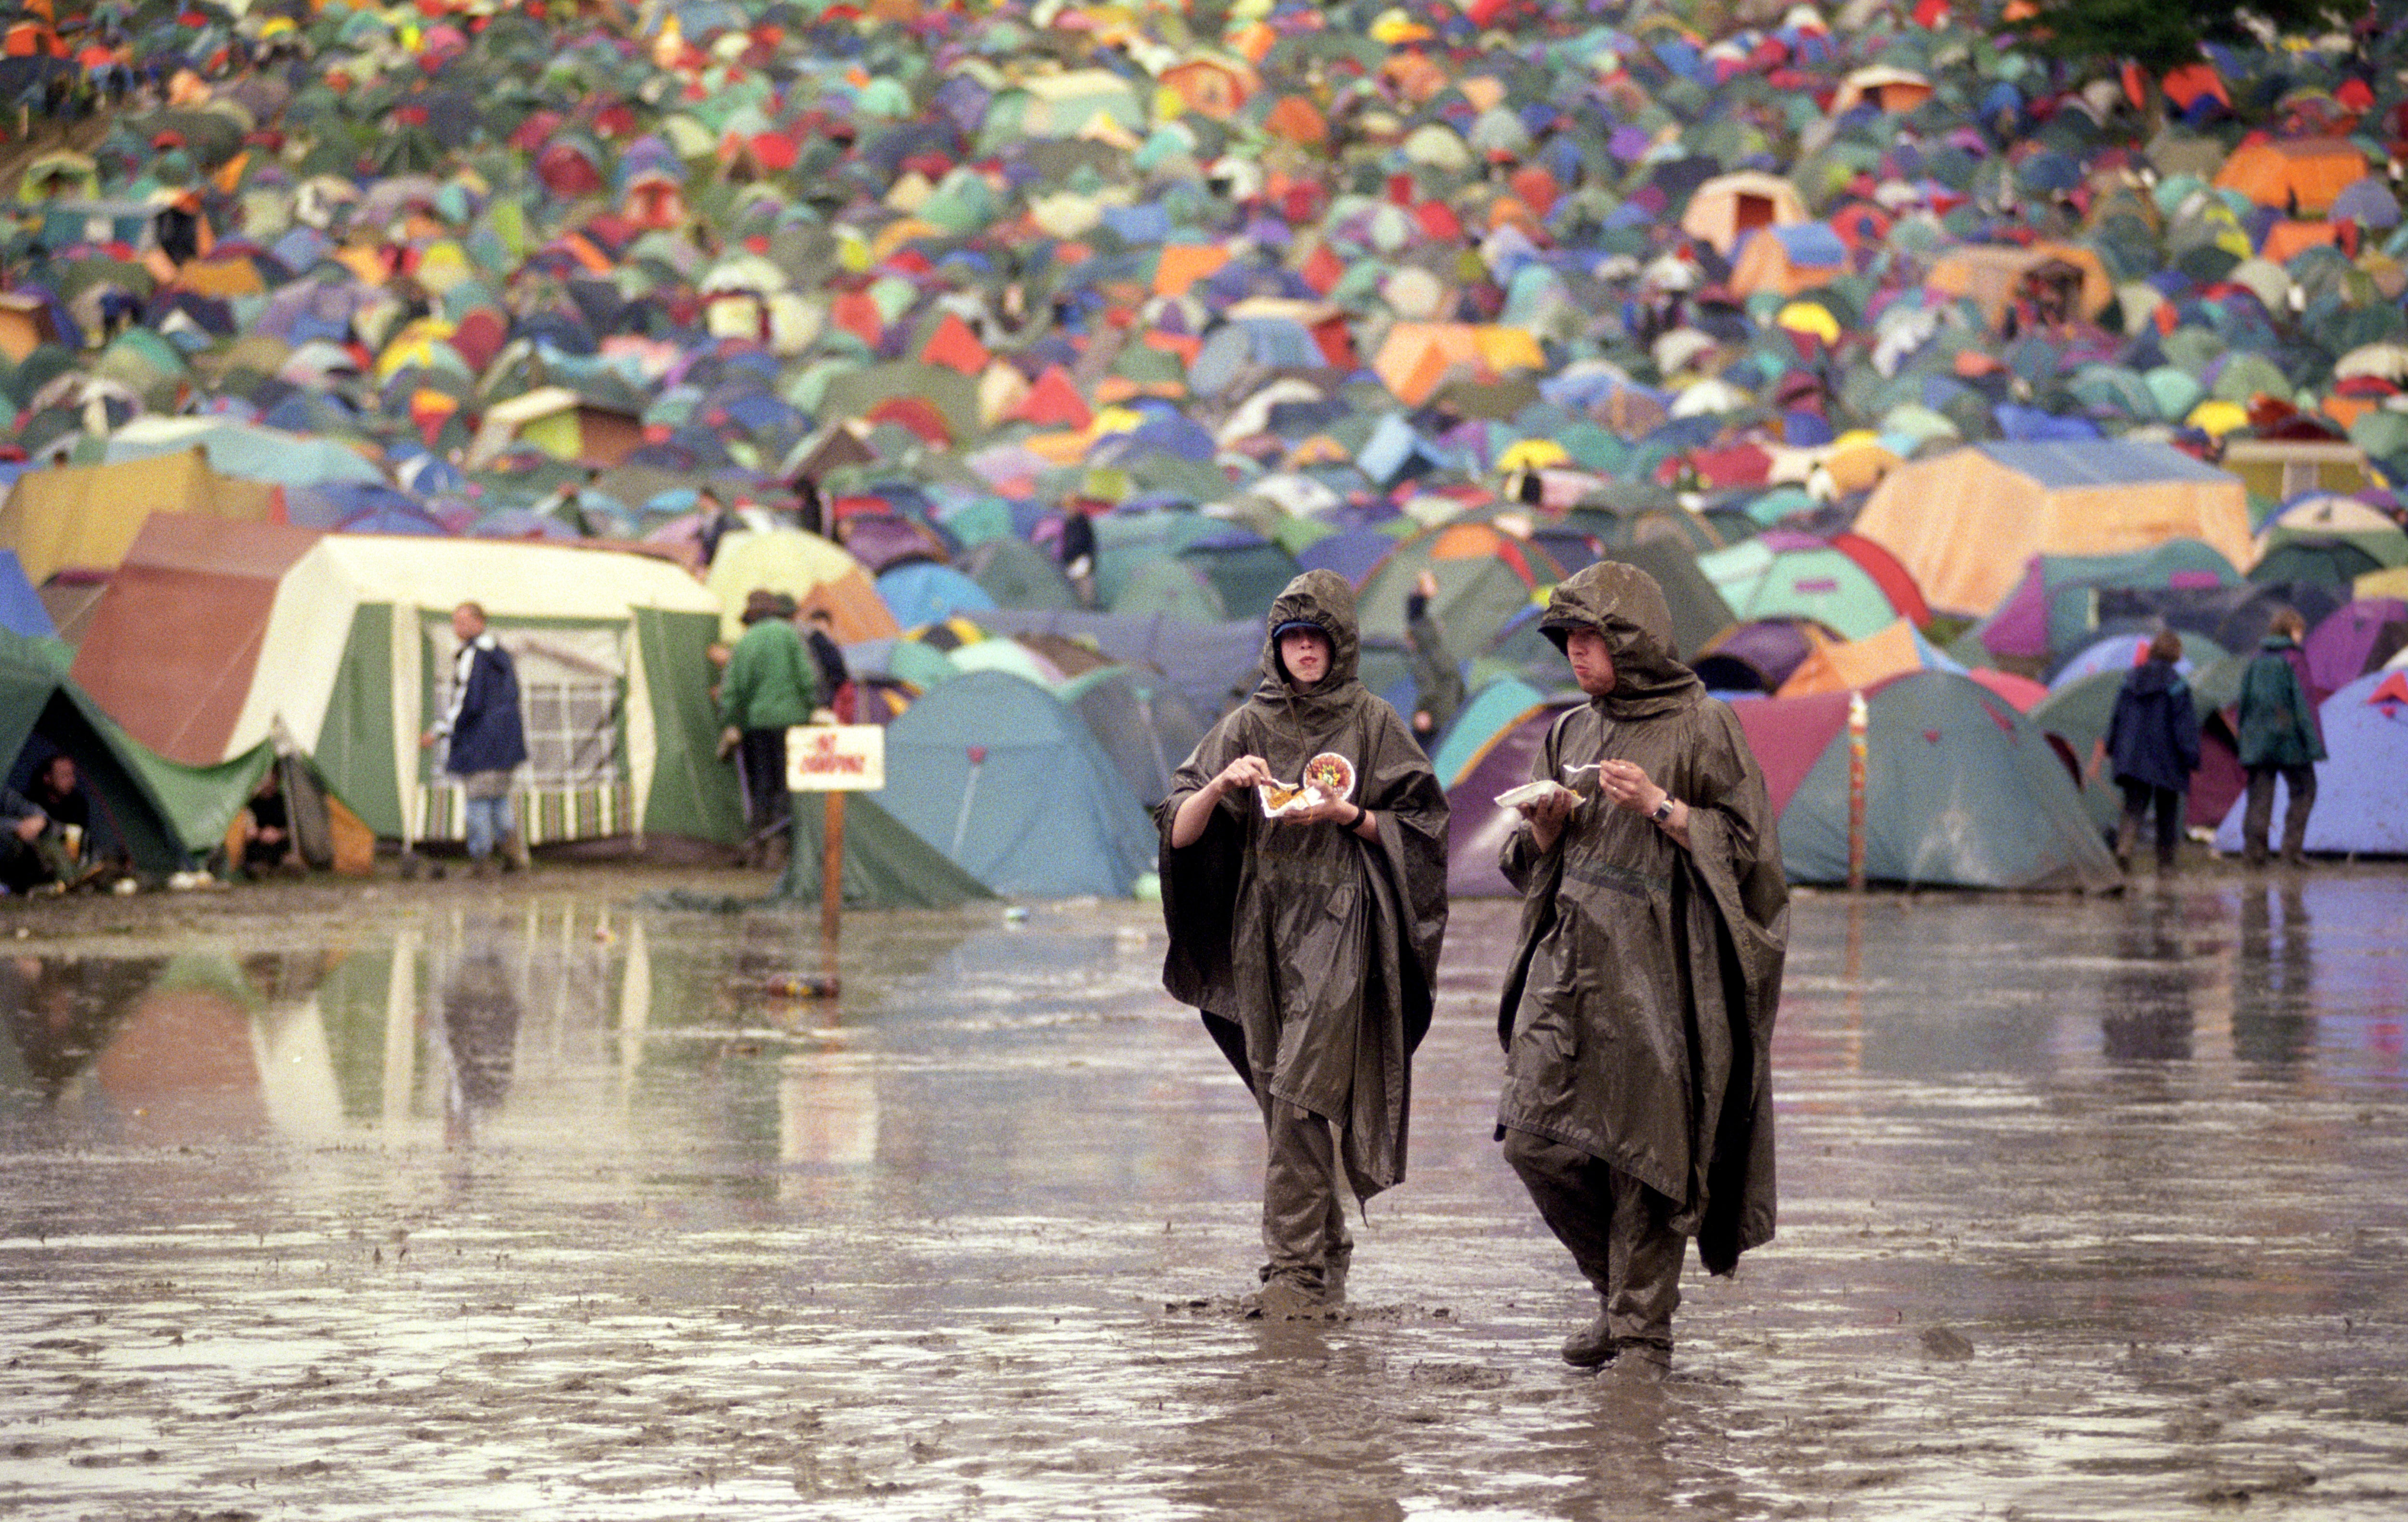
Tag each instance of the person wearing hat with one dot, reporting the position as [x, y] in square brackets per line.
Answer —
[1310, 940]
[1637, 1014]
[769, 686]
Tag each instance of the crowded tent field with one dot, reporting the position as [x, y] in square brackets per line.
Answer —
[1034, 347]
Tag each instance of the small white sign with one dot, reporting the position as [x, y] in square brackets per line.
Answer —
[836, 757]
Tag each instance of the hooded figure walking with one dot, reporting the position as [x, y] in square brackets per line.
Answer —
[1309, 941]
[1638, 1009]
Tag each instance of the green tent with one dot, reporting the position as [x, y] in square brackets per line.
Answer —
[44, 713]
[886, 865]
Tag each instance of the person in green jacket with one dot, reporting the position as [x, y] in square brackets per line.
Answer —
[2278, 737]
[769, 685]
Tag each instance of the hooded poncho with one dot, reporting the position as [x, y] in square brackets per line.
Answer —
[1638, 1010]
[1311, 951]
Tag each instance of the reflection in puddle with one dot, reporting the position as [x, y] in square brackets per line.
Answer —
[557, 1207]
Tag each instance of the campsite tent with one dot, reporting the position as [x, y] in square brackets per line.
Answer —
[44, 713]
[1003, 778]
[1966, 523]
[343, 644]
[84, 516]
[817, 573]
[21, 607]
[2361, 809]
[1141, 722]
[1211, 666]
[2052, 613]
[886, 865]
[1960, 791]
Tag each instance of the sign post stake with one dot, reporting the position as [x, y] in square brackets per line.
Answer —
[833, 759]
[832, 867]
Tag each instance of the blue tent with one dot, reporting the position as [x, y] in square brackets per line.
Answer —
[21, 607]
[922, 591]
[2361, 810]
[1494, 709]
[1005, 779]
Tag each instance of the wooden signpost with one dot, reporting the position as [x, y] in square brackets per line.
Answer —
[833, 759]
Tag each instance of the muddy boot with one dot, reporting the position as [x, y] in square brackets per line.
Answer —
[2127, 831]
[775, 850]
[514, 853]
[1333, 1274]
[1643, 1363]
[1285, 1298]
[1591, 1347]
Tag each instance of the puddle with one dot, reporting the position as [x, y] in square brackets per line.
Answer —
[553, 1203]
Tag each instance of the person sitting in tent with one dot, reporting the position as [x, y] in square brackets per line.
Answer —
[769, 687]
[1637, 1014]
[1310, 940]
[266, 832]
[45, 829]
[2152, 739]
[488, 738]
[2279, 736]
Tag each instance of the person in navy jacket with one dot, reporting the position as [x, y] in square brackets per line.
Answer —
[488, 738]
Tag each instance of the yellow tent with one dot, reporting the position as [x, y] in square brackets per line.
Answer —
[1852, 665]
[814, 572]
[1965, 522]
[85, 517]
[1993, 274]
[2390, 583]
[1417, 357]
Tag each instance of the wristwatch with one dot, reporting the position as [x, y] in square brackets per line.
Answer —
[1662, 812]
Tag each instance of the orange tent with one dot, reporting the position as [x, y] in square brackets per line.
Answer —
[1727, 208]
[1185, 263]
[2304, 173]
[1417, 357]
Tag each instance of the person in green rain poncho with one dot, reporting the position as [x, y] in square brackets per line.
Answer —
[1637, 1015]
[1310, 941]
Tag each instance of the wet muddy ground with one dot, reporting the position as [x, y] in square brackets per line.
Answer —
[453, 1201]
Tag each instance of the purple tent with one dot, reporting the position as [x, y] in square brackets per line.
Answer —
[1476, 828]
[1350, 553]
[2354, 640]
[1755, 657]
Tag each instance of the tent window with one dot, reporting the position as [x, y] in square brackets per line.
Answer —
[572, 730]
[1752, 211]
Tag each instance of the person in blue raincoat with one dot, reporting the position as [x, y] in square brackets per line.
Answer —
[2153, 741]
[488, 738]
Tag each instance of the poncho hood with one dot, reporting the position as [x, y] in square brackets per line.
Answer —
[1623, 604]
[1325, 600]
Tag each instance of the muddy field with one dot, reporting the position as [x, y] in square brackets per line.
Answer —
[447, 1200]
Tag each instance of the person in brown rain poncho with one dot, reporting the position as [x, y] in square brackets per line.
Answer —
[1309, 941]
[1638, 1009]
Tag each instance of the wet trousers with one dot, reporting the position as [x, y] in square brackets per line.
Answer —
[1616, 1230]
[2138, 796]
[487, 811]
[2259, 817]
[765, 801]
[1305, 1240]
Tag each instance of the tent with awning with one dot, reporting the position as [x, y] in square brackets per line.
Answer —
[216, 637]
